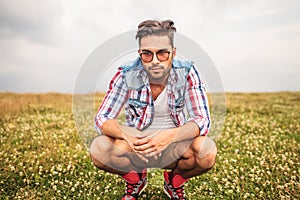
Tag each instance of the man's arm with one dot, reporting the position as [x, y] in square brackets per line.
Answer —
[114, 129]
[196, 102]
[105, 120]
[113, 101]
[188, 131]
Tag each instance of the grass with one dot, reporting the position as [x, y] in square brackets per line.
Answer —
[42, 156]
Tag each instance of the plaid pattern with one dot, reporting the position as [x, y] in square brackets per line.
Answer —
[130, 87]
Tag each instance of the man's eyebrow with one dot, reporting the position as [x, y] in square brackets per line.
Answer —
[163, 49]
[146, 50]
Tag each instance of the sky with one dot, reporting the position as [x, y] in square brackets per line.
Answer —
[254, 45]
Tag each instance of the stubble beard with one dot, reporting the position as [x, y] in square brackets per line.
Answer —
[160, 77]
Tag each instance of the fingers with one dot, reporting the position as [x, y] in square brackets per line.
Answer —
[142, 141]
[146, 148]
[145, 158]
[142, 157]
[154, 155]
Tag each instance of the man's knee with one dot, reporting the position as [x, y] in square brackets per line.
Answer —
[205, 150]
[210, 159]
[101, 143]
[100, 148]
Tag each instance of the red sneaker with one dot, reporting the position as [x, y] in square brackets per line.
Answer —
[135, 184]
[174, 188]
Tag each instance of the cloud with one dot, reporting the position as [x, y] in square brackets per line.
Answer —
[32, 19]
[44, 43]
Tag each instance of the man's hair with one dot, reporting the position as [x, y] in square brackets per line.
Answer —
[158, 28]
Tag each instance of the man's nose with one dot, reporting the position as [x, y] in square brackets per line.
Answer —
[155, 60]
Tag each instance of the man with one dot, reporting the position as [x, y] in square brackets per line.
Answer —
[167, 117]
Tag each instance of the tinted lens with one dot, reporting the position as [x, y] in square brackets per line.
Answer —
[163, 56]
[147, 57]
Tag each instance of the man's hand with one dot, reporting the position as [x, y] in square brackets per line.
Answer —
[131, 139]
[149, 144]
[155, 143]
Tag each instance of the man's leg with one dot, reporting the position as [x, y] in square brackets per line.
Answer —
[197, 159]
[113, 155]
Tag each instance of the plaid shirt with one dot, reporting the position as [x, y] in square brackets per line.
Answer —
[130, 87]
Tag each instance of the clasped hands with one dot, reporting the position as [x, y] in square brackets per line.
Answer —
[151, 145]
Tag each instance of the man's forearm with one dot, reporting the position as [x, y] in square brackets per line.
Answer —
[188, 131]
[114, 129]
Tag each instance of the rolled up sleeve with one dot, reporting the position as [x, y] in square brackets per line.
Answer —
[197, 102]
[113, 101]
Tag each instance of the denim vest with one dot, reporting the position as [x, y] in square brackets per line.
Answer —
[140, 106]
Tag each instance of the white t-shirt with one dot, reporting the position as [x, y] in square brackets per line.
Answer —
[162, 118]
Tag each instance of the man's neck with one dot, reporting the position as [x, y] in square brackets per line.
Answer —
[156, 89]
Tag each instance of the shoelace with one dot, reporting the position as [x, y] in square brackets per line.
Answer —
[180, 192]
[130, 188]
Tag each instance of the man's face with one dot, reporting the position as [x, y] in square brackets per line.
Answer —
[157, 53]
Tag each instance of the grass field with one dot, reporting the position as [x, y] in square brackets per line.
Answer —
[42, 156]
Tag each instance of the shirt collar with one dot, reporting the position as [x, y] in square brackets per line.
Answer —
[142, 73]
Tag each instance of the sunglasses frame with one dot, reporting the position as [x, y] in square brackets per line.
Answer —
[156, 54]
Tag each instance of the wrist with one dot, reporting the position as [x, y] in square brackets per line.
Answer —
[173, 134]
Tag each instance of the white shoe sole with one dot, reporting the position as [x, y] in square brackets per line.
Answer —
[144, 188]
[167, 193]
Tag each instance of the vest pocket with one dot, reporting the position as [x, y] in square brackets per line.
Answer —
[136, 108]
[179, 104]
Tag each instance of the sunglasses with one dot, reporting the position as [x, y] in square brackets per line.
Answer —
[161, 55]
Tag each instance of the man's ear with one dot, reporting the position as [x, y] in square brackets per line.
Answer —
[174, 52]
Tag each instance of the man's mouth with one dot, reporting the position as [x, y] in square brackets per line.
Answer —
[155, 68]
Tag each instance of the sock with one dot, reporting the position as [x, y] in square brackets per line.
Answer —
[132, 177]
[176, 180]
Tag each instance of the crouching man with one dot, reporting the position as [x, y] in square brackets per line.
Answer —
[167, 117]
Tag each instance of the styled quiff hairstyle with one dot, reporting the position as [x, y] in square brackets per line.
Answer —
[158, 28]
